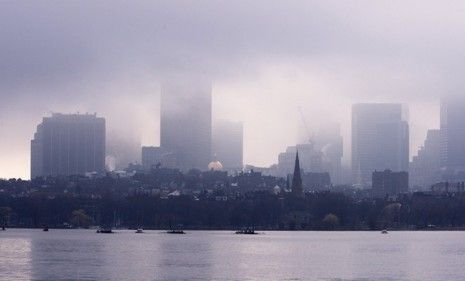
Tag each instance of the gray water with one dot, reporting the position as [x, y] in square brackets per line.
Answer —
[222, 255]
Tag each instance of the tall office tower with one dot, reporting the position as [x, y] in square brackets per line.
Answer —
[380, 140]
[227, 144]
[186, 122]
[425, 167]
[453, 138]
[68, 144]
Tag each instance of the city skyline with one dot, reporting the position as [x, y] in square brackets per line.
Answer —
[380, 52]
[138, 159]
[232, 140]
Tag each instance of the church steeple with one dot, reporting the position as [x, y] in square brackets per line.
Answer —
[297, 187]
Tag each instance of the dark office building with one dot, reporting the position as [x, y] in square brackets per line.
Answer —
[68, 144]
[151, 157]
[389, 183]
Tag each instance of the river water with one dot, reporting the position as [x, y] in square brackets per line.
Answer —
[222, 255]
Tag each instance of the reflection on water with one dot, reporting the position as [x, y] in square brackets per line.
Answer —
[15, 258]
[203, 255]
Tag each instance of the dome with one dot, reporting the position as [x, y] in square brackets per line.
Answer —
[215, 166]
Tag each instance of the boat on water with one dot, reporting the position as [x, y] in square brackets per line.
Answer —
[175, 231]
[247, 230]
[105, 230]
[178, 229]
[45, 228]
[384, 231]
[139, 230]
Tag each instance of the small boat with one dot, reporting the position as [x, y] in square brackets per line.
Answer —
[105, 230]
[248, 231]
[384, 231]
[45, 228]
[139, 230]
[175, 231]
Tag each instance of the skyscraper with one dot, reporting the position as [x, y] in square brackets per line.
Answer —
[380, 140]
[227, 144]
[425, 167]
[68, 144]
[453, 138]
[186, 122]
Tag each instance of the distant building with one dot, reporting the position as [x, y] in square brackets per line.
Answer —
[425, 167]
[227, 144]
[151, 157]
[253, 181]
[297, 186]
[380, 140]
[310, 159]
[186, 122]
[316, 181]
[68, 144]
[453, 138]
[388, 183]
[448, 187]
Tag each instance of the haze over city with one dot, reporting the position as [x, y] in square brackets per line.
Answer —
[232, 140]
[320, 56]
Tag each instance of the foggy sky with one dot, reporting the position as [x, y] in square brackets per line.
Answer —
[265, 58]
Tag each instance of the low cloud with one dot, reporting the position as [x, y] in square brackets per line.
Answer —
[266, 58]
